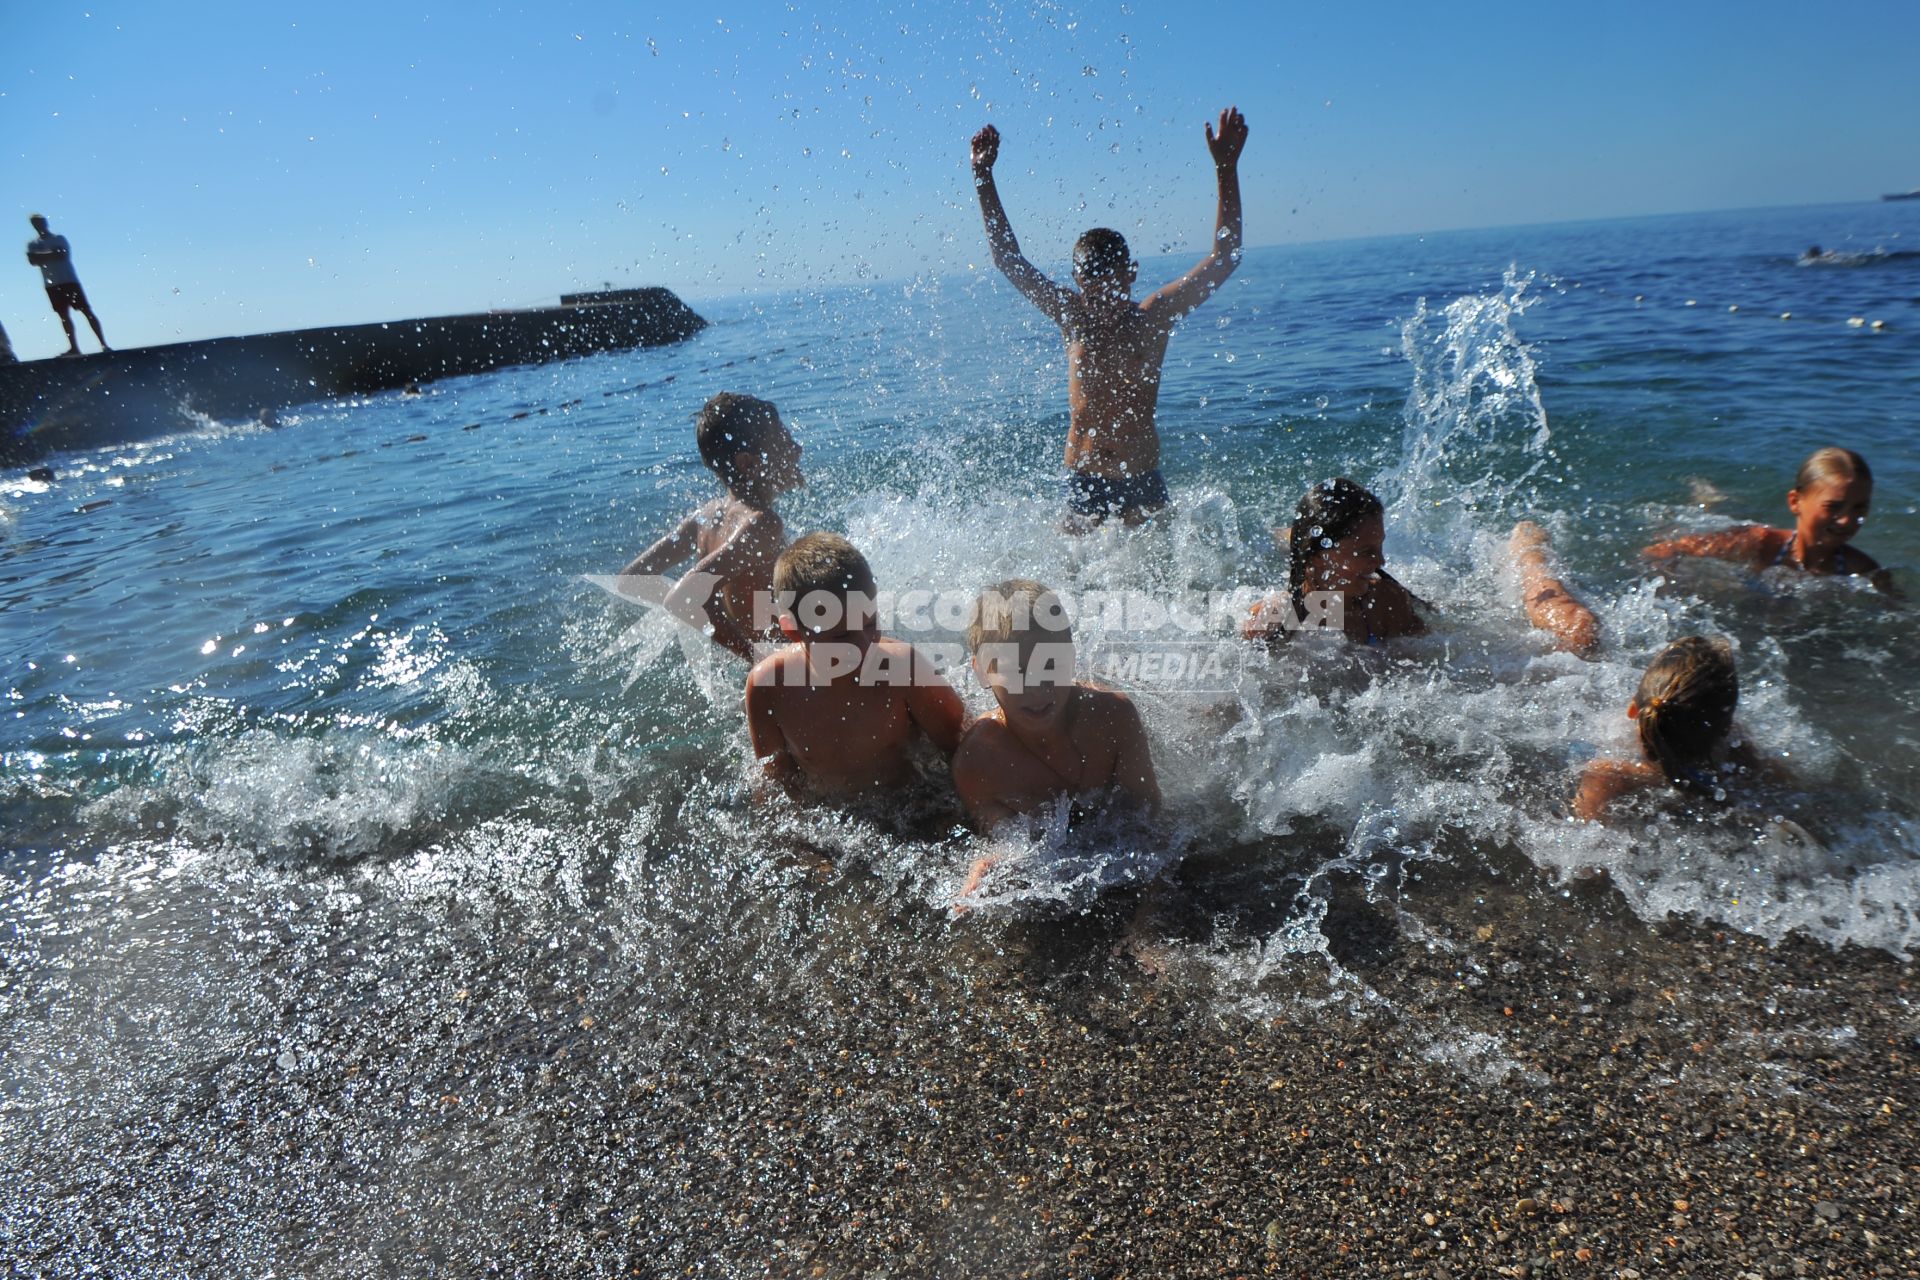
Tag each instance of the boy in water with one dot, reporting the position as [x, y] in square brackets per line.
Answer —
[1115, 346]
[736, 537]
[1051, 735]
[837, 708]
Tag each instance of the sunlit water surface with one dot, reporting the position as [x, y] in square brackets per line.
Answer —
[341, 809]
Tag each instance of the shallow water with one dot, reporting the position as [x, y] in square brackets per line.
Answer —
[341, 809]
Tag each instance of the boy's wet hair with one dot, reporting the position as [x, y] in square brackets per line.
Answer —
[1832, 463]
[820, 567]
[1329, 512]
[1100, 253]
[1018, 611]
[1686, 701]
[728, 423]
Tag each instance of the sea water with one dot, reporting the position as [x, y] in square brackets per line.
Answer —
[327, 764]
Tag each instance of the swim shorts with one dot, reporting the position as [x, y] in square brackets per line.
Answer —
[1103, 496]
[66, 297]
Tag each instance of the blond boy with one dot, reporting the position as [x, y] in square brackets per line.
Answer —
[1050, 735]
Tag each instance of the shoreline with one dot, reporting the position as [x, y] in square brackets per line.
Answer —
[1496, 1080]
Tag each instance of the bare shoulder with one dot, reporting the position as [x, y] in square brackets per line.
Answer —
[778, 670]
[1759, 541]
[1398, 608]
[1862, 564]
[1107, 709]
[1604, 781]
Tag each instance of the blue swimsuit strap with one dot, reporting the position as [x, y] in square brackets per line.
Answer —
[1839, 555]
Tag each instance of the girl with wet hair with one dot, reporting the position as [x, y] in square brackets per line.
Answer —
[1336, 572]
[1683, 718]
[1829, 502]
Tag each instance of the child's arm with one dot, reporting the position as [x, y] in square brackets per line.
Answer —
[667, 552]
[973, 781]
[1026, 277]
[1748, 542]
[1133, 758]
[696, 598]
[974, 778]
[770, 750]
[1194, 288]
[1550, 606]
[934, 706]
[1602, 783]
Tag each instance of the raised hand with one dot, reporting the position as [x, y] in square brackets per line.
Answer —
[1225, 145]
[986, 149]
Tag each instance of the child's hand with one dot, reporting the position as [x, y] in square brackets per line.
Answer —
[1527, 536]
[963, 900]
[986, 149]
[1225, 145]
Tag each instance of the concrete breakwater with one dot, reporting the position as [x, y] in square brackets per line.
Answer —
[118, 396]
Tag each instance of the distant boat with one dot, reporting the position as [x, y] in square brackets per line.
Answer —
[1903, 195]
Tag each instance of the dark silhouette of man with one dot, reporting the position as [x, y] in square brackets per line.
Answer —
[52, 255]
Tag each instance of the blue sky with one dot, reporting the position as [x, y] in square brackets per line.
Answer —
[232, 168]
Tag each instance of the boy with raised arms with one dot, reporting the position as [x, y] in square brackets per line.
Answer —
[1115, 346]
[1050, 735]
[834, 712]
[734, 539]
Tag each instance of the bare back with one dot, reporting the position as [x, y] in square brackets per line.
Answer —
[751, 566]
[853, 735]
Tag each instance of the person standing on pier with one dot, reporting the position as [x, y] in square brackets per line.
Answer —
[54, 257]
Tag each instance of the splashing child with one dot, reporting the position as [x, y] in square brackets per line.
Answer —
[1115, 346]
[734, 539]
[1683, 718]
[1829, 502]
[835, 712]
[1336, 572]
[1050, 736]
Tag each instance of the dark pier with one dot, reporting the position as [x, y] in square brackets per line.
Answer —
[89, 401]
